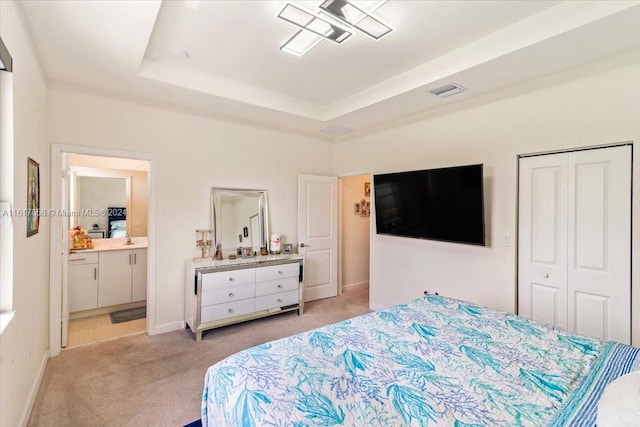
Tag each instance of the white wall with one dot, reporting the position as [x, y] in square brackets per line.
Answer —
[24, 344]
[600, 105]
[355, 232]
[193, 153]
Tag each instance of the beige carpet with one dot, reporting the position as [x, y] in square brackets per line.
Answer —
[157, 381]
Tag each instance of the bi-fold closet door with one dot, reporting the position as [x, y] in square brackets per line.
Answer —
[574, 241]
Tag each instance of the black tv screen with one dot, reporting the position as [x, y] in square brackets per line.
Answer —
[439, 204]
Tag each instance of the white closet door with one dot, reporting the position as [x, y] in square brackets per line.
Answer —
[574, 241]
[600, 251]
[542, 239]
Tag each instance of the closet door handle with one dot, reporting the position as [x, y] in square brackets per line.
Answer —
[95, 273]
[302, 245]
[135, 258]
[129, 259]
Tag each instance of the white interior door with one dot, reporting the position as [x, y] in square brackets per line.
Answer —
[542, 239]
[574, 259]
[318, 234]
[599, 257]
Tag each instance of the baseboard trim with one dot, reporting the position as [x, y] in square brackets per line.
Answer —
[358, 284]
[31, 398]
[167, 327]
[376, 307]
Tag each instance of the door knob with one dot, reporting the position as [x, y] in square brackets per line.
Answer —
[302, 245]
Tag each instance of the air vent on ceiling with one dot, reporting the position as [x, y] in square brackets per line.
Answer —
[448, 90]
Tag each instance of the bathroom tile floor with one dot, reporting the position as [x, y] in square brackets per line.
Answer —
[93, 329]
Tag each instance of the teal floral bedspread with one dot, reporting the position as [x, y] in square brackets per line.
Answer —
[432, 361]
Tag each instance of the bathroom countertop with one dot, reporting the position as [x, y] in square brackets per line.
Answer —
[101, 245]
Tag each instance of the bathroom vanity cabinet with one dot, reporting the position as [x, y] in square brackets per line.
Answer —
[83, 281]
[122, 277]
[104, 277]
[220, 293]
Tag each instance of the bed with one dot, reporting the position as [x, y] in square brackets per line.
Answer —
[117, 222]
[432, 361]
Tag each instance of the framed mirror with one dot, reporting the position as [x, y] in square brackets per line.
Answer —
[239, 218]
[94, 195]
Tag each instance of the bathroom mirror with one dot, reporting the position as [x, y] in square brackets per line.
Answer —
[96, 194]
[239, 218]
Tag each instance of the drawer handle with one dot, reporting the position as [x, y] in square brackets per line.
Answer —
[231, 294]
[279, 300]
[231, 279]
[230, 310]
[279, 272]
[279, 286]
[78, 259]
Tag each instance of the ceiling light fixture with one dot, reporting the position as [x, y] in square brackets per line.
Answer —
[352, 15]
[6, 62]
[448, 90]
[339, 20]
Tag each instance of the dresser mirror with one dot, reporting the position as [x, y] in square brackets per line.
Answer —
[239, 218]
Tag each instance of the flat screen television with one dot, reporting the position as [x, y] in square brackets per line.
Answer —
[439, 204]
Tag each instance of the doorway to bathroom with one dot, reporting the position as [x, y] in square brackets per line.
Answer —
[102, 245]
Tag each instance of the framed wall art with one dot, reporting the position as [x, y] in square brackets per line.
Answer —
[33, 197]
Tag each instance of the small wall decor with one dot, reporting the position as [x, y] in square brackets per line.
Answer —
[288, 248]
[356, 210]
[365, 208]
[367, 189]
[33, 197]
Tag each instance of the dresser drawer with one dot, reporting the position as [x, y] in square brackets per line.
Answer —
[276, 300]
[228, 294]
[273, 272]
[230, 309]
[224, 279]
[276, 286]
[83, 258]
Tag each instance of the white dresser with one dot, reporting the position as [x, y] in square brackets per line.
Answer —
[220, 293]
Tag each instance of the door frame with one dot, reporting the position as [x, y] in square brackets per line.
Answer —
[56, 250]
